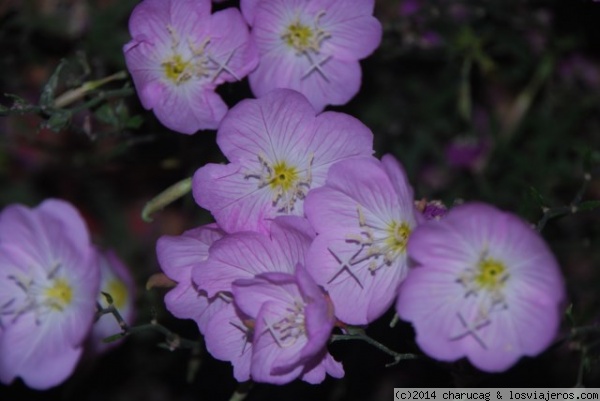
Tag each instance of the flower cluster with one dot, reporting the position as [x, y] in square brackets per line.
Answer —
[313, 232]
[180, 53]
[49, 284]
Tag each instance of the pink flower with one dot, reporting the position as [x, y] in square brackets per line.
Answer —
[312, 46]
[177, 255]
[243, 255]
[293, 322]
[225, 335]
[180, 53]
[364, 216]
[49, 279]
[279, 150]
[486, 287]
[115, 280]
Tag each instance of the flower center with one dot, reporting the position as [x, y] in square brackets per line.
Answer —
[289, 329]
[379, 245]
[491, 274]
[175, 69]
[284, 176]
[302, 37]
[42, 294]
[59, 295]
[284, 180]
[398, 236]
[118, 291]
[298, 36]
[193, 61]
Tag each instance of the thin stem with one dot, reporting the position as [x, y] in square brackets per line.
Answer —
[242, 391]
[166, 197]
[550, 213]
[173, 340]
[74, 95]
[359, 334]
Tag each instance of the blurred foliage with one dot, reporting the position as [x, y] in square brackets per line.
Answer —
[481, 100]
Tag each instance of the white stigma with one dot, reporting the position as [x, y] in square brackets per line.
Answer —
[290, 328]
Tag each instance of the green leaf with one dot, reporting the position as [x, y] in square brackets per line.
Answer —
[106, 114]
[113, 338]
[47, 96]
[537, 197]
[58, 120]
[588, 205]
[134, 122]
[108, 297]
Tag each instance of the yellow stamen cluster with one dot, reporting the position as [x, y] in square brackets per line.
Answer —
[59, 295]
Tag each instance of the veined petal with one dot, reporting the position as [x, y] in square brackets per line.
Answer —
[189, 18]
[267, 350]
[338, 136]
[251, 294]
[230, 45]
[177, 254]
[38, 354]
[354, 38]
[227, 339]
[276, 125]
[365, 181]
[338, 266]
[235, 202]
[240, 255]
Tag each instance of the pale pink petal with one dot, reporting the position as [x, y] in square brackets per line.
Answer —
[235, 202]
[251, 294]
[248, 8]
[177, 254]
[238, 256]
[276, 125]
[38, 354]
[267, 351]
[337, 137]
[351, 39]
[329, 261]
[227, 339]
[230, 45]
[189, 18]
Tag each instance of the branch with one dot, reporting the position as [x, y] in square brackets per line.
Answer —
[575, 206]
[356, 333]
[173, 340]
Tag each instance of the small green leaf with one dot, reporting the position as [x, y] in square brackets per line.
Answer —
[537, 197]
[58, 120]
[47, 96]
[113, 338]
[108, 297]
[588, 205]
[134, 122]
[106, 114]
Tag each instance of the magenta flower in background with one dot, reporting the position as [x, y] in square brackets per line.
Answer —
[486, 287]
[312, 46]
[278, 151]
[293, 322]
[364, 216]
[180, 53]
[115, 280]
[49, 281]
